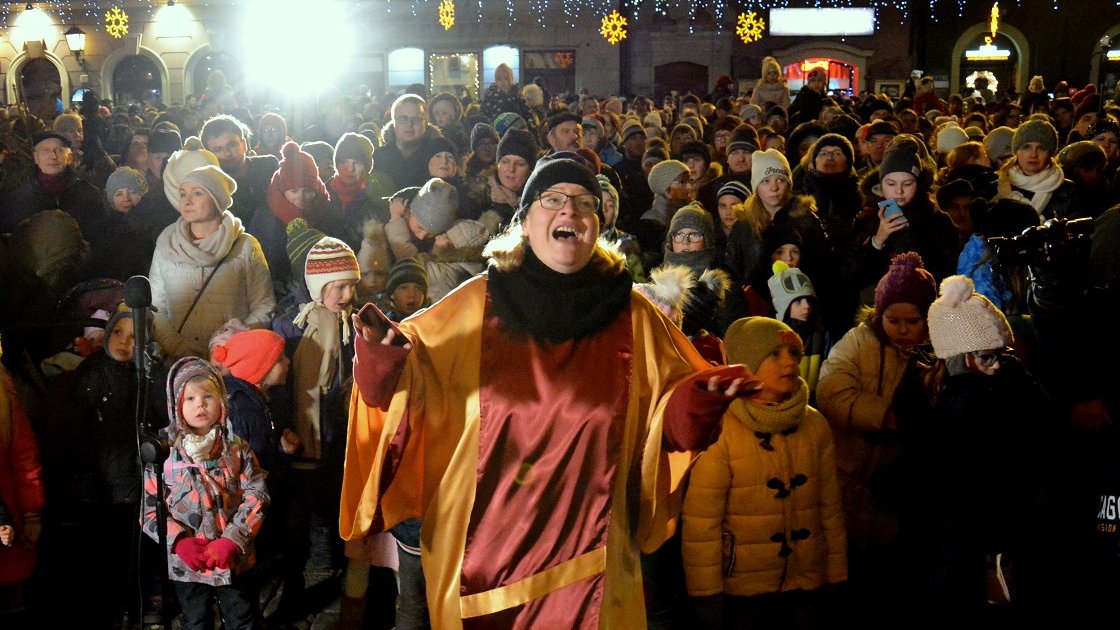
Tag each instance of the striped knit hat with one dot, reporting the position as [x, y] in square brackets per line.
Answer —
[329, 259]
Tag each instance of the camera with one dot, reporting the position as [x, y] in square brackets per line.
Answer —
[1056, 243]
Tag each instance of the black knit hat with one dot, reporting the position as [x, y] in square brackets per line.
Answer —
[404, 271]
[520, 143]
[560, 118]
[558, 168]
[482, 131]
[901, 157]
[743, 138]
[440, 144]
[164, 141]
[834, 140]
[778, 235]
[697, 148]
[354, 146]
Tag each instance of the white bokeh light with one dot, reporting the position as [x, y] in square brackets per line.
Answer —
[300, 46]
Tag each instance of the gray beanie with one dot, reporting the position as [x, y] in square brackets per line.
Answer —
[220, 186]
[1035, 130]
[900, 157]
[436, 205]
[691, 216]
[998, 143]
[665, 173]
[126, 177]
[787, 285]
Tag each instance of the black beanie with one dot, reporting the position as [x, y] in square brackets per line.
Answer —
[900, 158]
[558, 168]
[778, 235]
[698, 149]
[440, 144]
[482, 131]
[520, 143]
[834, 140]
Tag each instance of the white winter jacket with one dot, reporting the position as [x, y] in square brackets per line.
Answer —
[241, 288]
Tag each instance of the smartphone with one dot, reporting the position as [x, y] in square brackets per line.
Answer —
[373, 317]
[890, 208]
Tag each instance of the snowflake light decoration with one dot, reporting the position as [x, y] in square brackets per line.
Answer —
[116, 22]
[613, 27]
[749, 27]
[446, 14]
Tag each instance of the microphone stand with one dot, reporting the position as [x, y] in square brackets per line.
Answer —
[153, 450]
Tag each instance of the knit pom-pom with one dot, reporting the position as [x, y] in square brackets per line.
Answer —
[193, 143]
[955, 290]
[219, 354]
[907, 261]
[779, 266]
[717, 281]
[671, 284]
[290, 151]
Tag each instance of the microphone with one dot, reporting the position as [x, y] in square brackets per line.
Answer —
[138, 297]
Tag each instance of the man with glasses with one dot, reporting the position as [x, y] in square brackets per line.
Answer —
[409, 143]
[225, 137]
[56, 186]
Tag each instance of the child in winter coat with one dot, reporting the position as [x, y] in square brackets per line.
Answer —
[796, 306]
[972, 423]
[215, 497]
[320, 340]
[855, 390]
[406, 292]
[763, 527]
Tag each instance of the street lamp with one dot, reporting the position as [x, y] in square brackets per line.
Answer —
[76, 40]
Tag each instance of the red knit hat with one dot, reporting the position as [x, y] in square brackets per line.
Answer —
[907, 281]
[297, 170]
[250, 354]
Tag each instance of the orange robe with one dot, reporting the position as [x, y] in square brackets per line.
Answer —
[538, 476]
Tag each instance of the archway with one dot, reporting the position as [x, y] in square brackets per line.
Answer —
[15, 73]
[1007, 33]
[205, 60]
[110, 76]
[1106, 75]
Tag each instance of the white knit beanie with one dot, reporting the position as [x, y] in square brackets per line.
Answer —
[181, 162]
[663, 174]
[962, 320]
[768, 163]
[950, 137]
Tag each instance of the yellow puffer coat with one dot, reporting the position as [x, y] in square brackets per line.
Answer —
[763, 513]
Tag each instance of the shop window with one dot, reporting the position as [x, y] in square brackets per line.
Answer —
[406, 66]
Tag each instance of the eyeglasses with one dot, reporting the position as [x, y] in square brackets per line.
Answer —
[691, 237]
[834, 153]
[413, 121]
[990, 357]
[228, 148]
[553, 201]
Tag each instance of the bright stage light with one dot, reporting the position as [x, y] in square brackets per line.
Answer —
[296, 47]
[31, 26]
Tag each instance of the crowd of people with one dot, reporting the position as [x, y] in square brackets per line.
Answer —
[768, 359]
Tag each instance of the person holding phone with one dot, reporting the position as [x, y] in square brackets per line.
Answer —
[906, 220]
[539, 420]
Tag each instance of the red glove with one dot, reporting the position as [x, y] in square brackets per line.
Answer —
[220, 552]
[190, 550]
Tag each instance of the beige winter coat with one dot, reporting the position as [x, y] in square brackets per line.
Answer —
[241, 288]
[854, 393]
